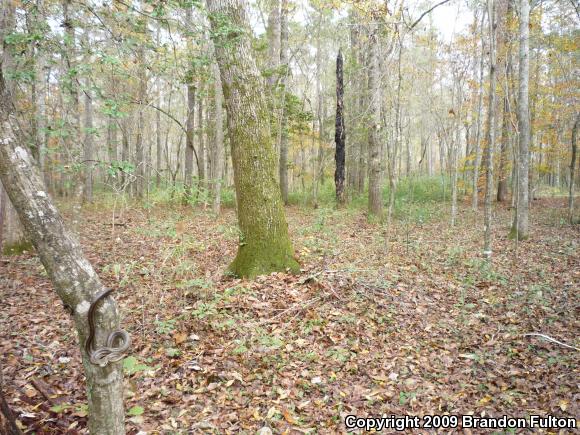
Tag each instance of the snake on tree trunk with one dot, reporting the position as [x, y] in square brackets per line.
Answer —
[110, 353]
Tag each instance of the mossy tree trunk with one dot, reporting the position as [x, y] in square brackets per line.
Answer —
[264, 242]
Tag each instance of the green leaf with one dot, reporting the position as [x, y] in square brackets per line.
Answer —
[132, 365]
[60, 408]
[136, 410]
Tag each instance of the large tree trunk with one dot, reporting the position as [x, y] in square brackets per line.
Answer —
[573, 169]
[264, 242]
[490, 145]
[375, 202]
[520, 228]
[72, 275]
[339, 134]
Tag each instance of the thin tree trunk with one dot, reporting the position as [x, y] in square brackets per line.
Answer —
[506, 41]
[375, 202]
[487, 249]
[88, 142]
[273, 30]
[158, 146]
[573, 169]
[340, 133]
[283, 164]
[475, 181]
[189, 125]
[141, 99]
[218, 145]
[520, 228]
[201, 161]
[318, 161]
[264, 241]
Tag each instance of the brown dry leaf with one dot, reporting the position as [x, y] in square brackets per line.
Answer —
[288, 416]
[179, 337]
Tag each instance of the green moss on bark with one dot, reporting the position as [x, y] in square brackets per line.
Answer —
[514, 231]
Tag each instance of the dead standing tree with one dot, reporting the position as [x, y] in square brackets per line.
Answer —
[340, 135]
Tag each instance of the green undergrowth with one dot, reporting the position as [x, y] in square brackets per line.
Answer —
[17, 248]
[416, 198]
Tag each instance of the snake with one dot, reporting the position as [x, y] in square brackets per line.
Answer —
[110, 353]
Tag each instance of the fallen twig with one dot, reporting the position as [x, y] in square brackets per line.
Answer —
[548, 338]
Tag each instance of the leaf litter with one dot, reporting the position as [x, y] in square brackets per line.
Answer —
[416, 323]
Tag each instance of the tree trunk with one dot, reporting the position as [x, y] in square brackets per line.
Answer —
[274, 29]
[141, 96]
[190, 121]
[158, 146]
[318, 168]
[218, 145]
[200, 140]
[375, 202]
[573, 169]
[340, 134]
[475, 181]
[520, 228]
[71, 274]
[283, 164]
[88, 144]
[506, 41]
[490, 145]
[264, 242]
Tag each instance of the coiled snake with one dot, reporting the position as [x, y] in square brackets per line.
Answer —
[110, 353]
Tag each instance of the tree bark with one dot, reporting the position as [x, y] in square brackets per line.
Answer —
[141, 97]
[201, 143]
[475, 180]
[274, 29]
[88, 142]
[339, 134]
[158, 146]
[502, 185]
[520, 229]
[72, 275]
[190, 121]
[218, 144]
[375, 202]
[264, 241]
[573, 169]
[490, 145]
[283, 163]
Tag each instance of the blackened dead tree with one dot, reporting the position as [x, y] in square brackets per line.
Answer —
[340, 134]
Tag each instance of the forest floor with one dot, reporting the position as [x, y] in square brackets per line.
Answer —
[416, 324]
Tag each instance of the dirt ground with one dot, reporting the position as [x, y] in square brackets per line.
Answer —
[410, 324]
